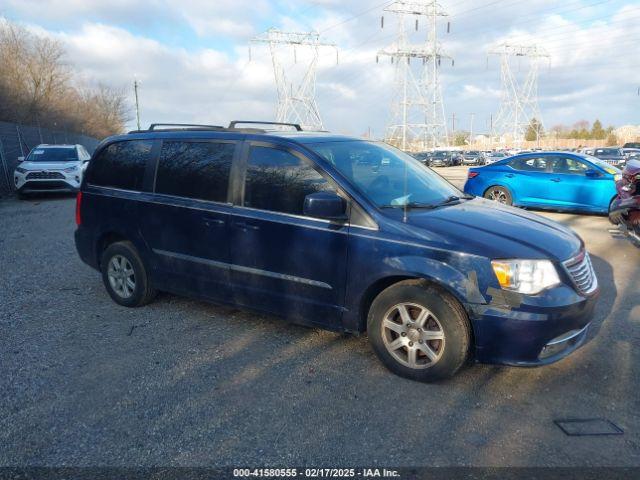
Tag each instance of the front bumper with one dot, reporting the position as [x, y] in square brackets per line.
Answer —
[538, 332]
[61, 182]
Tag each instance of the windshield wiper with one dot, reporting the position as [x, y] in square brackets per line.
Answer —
[411, 205]
[454, 199]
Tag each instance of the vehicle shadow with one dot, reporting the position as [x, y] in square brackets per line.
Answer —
[46, 196]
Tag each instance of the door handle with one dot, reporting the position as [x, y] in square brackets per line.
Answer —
[509, 175]
[213, 222]
[246, 226]
[555, 180]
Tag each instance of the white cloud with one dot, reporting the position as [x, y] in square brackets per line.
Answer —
[210, 18]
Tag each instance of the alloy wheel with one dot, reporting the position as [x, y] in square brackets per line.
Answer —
[121, 276]
[498, 195]
[413, 335]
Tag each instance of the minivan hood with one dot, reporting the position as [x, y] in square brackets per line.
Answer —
[38, 166]
[486, 228]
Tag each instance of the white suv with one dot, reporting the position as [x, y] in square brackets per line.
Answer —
[52, 168]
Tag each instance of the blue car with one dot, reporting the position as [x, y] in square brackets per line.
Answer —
[338, 233]
[547, 180]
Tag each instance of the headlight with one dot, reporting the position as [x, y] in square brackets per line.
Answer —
[525, 276]
[20, 170]
[70, 169]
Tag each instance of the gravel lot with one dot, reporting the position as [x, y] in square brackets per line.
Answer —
[85, 382]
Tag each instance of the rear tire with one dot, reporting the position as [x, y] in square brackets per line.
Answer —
[125, 276]
[499, 194]
[418, 331]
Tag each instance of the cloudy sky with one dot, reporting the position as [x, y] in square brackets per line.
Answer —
[192, 58]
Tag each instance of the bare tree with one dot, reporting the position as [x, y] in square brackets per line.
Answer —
[37, 87]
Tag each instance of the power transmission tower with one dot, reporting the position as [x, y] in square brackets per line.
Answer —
[519, 101]
[296, 92]
[417, 111]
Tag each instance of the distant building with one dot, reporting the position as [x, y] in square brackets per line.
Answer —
[627, 133]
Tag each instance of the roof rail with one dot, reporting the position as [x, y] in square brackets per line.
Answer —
[253, 122]
[184, 126]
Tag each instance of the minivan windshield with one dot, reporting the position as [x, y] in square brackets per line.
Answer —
[387, 176]
[57, 154]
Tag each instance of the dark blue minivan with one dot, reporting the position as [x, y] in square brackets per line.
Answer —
[335, 232]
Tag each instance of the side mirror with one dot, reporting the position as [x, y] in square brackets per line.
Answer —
[591, 173]
[20, 159]
[325, 205]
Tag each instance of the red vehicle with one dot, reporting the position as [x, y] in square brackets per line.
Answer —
[625, 209]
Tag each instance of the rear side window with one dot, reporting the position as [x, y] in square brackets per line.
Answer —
[278, 181]
[529, 164]
[121, 165]
[197, 170]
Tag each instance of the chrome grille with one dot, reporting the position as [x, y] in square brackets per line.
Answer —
[582, 274]
[44, 175]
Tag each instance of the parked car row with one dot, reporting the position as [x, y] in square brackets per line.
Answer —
[452, 158]
[617, 157]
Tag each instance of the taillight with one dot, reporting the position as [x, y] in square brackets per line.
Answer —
[78, 208]
[473, 174]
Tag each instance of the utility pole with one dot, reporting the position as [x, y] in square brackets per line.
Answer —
[417, 110]
[296, 96]
[472, 115]
[519, 101]
[453, 123]
[135, 89]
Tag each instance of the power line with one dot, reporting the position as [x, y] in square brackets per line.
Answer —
[584, 30]
[527, 19]
[480, 7]
[357, 15]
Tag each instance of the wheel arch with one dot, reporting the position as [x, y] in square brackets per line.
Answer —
[501, 185]
[104, 240]
[383, 283]
[613, 199]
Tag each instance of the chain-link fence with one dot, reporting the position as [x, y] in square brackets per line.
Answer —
[18, 140]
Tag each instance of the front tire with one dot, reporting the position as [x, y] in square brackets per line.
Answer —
[499, 194]
[419, 332]
[125, 276]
